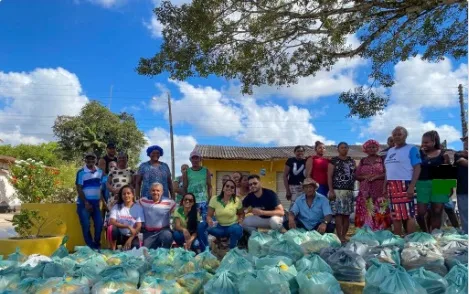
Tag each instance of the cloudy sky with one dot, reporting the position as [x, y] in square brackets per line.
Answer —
[57, 55]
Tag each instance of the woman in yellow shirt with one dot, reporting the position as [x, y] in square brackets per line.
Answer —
[228, 209]
[186, 219]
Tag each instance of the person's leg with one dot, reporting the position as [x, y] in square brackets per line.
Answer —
[462, 208]
[202, 207]
[235, 232]
[98, 223]
[218, 231]
[202, 235]
[109, 237]
[437, 214]
[179, 238]
[164, 239]
[421, 216]
[116, 237]
[251, 223]
[410, 225]
[276, 223]
[150, 240]
[345, 226]
[449, 209]
[424, 192]
[338, 224]
[84, 217]
[397, 227]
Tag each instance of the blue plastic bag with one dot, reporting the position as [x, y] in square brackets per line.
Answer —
[388, 239]
[366, 236]
[62, 251]
[421, 238]
[264, 281]
[207, 261]
[313, 282]
[347, 266]
[313, 263]
[46, 270]
[375, 276]
[433, 283]
[457, 280]
[223, 282]
[17, 256]
[270, 261]
[288, 249]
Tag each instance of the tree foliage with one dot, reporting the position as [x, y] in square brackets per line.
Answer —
[48, 153]
[277, 42]
[93, 128]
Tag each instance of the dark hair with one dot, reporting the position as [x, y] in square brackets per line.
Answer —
[342, 143]
[317, 144]
[298, 147]
[254, 177]
[222, 193]
[120, 201]
[192, 216]
[433, 135]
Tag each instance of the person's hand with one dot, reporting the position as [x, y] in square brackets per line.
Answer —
[186, 234]
[188, 245]
[322, 228]
[88, 206]
[410, 191]
[210, 222]
[289, 196]
[128, 244]
[292, 224]
[257, 211]
[133, 231]
[371, 178]
[331, 195]
[115, 190]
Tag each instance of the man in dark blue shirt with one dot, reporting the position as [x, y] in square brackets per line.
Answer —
[266, 207]
[460, 161]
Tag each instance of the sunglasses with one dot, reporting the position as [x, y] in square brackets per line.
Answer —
[188, 200]
[229, 187]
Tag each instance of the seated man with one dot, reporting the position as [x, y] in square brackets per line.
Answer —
[311, 210]
[266, 207]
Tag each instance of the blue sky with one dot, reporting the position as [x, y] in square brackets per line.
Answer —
[56, 55]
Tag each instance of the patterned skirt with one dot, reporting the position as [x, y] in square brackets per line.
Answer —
[402, 207]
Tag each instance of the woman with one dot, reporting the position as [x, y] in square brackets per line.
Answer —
[185, 223]
[228, 209]
[157, 211]
[341, 180]
[316, 168]
[153, 171]
[244, 187]
[432, 156]
[294, 174]
[402, 172]
[372, 209]
[126, 220]
[236, 176]
[119, 176]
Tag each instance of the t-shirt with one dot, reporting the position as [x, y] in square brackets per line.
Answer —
[179, 213]
[157, 215]
[121, 177]
[197, 184]
[296, 176]
[343, 177]
[154, 174]
[427, 163]
[90, 181]
[400, 163]
[226, 214]
[127, 216]
[461, 187]
[319, 170]
[268, 201]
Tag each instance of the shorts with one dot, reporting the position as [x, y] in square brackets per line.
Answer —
[434, 191]
[295, 190]
[402, 207]
[343, 203]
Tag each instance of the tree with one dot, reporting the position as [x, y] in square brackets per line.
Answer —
[277, 42]
[48, 153]
[93, 128]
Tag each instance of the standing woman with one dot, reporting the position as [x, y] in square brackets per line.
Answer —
[432, 156]
[119, 177]
[372, 209]
[316, 168]
[236, 177]
[228, 209]
[153, 171]
[341, 179]
[244, 187]
[402, 172]
[186, 218]
[294, 174]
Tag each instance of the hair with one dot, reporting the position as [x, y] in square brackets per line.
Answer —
[233, 197]
[317, 144]
[192, 216]
[433, 135]
[239, 173]
[254, 177]
[153, 148]
[404, 130]
[123, 154]
[298, 147]
[156, 184]
[342, 143]
[120, 201]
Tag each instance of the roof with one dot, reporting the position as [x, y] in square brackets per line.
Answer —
[267, 153]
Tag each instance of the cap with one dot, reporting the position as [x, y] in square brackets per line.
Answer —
[111, 146]
[90, 154]
[195, 154]
[310, 181]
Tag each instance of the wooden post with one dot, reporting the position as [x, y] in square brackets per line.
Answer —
[173, 168]
[463, 111]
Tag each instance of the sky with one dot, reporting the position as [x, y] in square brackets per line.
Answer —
[57, 55]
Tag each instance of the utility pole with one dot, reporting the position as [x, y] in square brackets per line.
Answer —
[463, 111]
[173, 168]
[110, 97]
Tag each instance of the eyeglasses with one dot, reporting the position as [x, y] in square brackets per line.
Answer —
[229, 187]
[188, 200]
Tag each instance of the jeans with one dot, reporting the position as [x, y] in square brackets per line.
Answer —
[154, 240]
[84, 216]
[180, 240]
[121, 239]
[462, 208]
[253, 222]
[234, 232]
[299, 225]
[202, 207]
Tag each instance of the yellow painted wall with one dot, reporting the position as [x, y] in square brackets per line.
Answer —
[252, 166]
[43, 246]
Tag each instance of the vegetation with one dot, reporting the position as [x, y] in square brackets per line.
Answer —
[29, 223]
[48, 153]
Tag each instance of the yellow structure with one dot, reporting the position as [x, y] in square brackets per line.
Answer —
[43, 246]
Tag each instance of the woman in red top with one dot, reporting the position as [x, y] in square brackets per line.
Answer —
[316, 168]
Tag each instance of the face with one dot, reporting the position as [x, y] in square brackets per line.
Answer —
[224, 179]
[112, 165]
[156, 192]
[188, 201]
[236, 177]
[184, 168]
[372, 150]
[399, 137]
[229, 188]
[254, 185]
[300, 153]
[155, 155]
[321, 149]
[244, 182]
[195, 160]
[309, 190]
[90, 161]
[427, 144]
[127, 195]
[121, 161]
[390, 142]
[111, 152]
[343, 149]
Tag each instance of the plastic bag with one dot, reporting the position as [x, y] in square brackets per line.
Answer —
[347, 266]
[314, 246]
[223, 283]
[67, 263]
[399, 281]
[421, 238]
[453, 241]
[288, 273]
[276, 235]
[237, 265]
[46, 270]
[326, 252]
[382, 254]
[207, 261]
[62, 250]
[457, 280]
[388, 239]
[438, 233]
[4, 264]
[375, 276]
[265, 249]
[11, 277]
[298, 236]
[61, 286]
[194, 282]
[366, 236]
[332, 239]
[455, 256]
[163, 272]
[266, 282]
[433, 283]
[313, 263]
[29, 285]
[417, 255]
[154, 286]
[110, 286]
[17, 256]
[188, 267]
[269, 261]
[117, 259]
[357, 247]
[313, 282]
[288, 249]
[35, 259]
[121, 274]
[84, 275]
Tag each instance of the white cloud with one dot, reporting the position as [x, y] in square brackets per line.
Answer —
[183, 146]
[108, 3]
[30, 102]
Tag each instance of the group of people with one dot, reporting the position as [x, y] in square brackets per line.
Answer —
[141, 207]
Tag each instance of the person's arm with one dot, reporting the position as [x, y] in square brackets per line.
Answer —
[359, 176]
[81, 194]
[185, 182]
[209, 219]
[330, 173]
[446, 159]
[209, 185]
[177, 225]
[415, 161]
[286, 171]
[170, 187]
[138, 185]
[294, 211]
[278, 211]
[102, 164]
[309, 166]
[241, 215]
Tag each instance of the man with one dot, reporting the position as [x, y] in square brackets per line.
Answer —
[198, 181]
[88, 184]
[311, 210]
[460, 160]
[266, 208]
[103, 163]
[179, 184]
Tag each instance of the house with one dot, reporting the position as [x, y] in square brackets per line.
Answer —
[268, 162]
